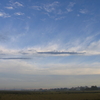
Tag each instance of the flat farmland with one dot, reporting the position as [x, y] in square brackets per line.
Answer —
[29, 95]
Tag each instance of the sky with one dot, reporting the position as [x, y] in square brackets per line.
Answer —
[49, 43]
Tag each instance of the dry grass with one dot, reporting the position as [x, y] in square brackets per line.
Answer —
[50, 96]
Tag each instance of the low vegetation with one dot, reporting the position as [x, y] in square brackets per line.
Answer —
[31, 95]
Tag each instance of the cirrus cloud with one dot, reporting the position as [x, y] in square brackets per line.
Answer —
[4, 15]
[18, 13]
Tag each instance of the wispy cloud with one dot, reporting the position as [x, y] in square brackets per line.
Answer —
[15, 5]
[78, 15]
[22, 67]
[93, 48]
[59, 18]
[4, 15]
[50, 7]
[70, 6]
[83, 11]
[37, 7]
[52, 10]
[19, 13]
[79, 47]
[18, 4]
[9, 7]
[3, 37]
[11, 58]
[87, 45]
[29, 53]
[41, 52]
[74, 69]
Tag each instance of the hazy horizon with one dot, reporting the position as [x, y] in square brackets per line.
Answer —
[49, 43]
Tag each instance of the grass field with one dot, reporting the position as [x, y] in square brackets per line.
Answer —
[49, 95]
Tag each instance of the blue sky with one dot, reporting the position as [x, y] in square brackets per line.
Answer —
[49, 43]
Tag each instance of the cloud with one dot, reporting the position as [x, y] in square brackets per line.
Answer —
[28, 17]
[3, 37]
[75, 69]
[29, 53]
[23, 67]
[9, 7]
[15, 5]
[37, 7]
[18, 13]
[93, 48]
[70, 69]
[85, 46]
[50, 7]
[13, 58]
[81, 47]
[49, 50]
[60, 18]
[6, 51]
[78, 15]
[59, 53]
[14, 66]
[70, 6]
[88, 45]
[4, 15]
[83, 11]
[18, 4]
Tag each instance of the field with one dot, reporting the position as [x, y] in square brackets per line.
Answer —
[29, 95]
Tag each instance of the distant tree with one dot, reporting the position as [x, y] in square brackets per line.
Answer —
[94, 87]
